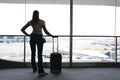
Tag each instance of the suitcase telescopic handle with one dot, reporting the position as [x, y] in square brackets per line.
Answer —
[53, 41]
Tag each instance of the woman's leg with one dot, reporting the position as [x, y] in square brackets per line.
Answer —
[33, 51]
[40, 60]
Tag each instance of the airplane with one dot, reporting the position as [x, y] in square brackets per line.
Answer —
[86, 55]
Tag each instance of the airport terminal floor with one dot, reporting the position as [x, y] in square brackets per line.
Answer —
[66, 74]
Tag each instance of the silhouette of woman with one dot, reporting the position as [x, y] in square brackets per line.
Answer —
[35, 40]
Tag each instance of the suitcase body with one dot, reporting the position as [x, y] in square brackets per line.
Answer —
[55, 61]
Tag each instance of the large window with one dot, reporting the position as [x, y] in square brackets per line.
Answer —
[57, 16]
[57, 20]
[91, 17]
[93, 28]
[118, 29]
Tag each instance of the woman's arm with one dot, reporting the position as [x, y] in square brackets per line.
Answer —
[24, 28]
[46, 31]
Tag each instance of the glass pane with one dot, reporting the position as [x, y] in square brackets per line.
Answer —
[12, 18]
[64, 48]
[118, 18]
[93, 49]
[93, 19]
[118, 49]
[56, 16]
[11, 48]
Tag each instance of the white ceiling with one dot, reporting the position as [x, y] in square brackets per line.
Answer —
[81, 2]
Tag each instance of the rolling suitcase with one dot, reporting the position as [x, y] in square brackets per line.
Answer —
[55, 60]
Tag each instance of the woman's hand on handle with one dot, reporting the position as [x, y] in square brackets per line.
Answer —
[55, 36]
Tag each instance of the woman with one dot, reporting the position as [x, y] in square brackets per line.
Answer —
[36, 38]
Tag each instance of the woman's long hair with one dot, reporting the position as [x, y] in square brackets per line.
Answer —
[35, 17]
